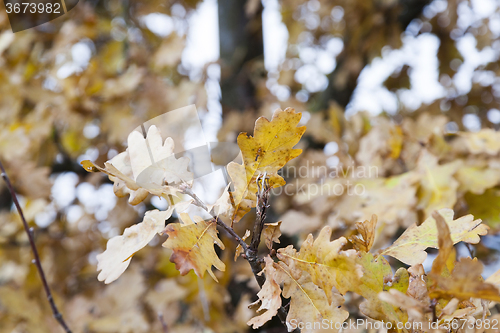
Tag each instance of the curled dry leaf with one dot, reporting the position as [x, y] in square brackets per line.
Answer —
[271, 233]
[270, 148]
[410, 247]
[465, 282]
[269, 296]
[120, 173]
[366, 230]
[193, 246]
[239, 248]
[223, 204]
[120, 249]
[445, 245]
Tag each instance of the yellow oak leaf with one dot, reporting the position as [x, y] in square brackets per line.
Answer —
[193, 246]
[271, 234]
[269, 296]
[438, 187]
[366, 275]
[485, 206]
[315, 257]
[485, 141]
[477, 180]
[410, 246]
[366, 234]
[270, 148]
[308, 303]
[120, 249]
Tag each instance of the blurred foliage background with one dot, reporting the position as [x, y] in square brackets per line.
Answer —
[74, 88]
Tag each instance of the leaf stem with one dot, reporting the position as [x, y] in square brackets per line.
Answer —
[197, 201]
[57, 315]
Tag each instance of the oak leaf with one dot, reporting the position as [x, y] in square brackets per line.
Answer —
[271, 234]
[465, 282]
[120, 173]
[239, 248]
[270, 148]
[438, 187]
[193, 246]
[315, 257]
[485, 141]
[410, 246]
[366, 234]
[445, 245]
[148, 165]
[120, 249]
[308, 302]
[269, 296]
[367, 276]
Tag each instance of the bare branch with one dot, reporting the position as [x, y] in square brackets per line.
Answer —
[37, 261]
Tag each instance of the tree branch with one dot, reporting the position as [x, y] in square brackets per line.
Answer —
[249, 251]
[37, 261]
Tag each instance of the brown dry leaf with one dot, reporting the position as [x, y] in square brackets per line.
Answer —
[271, 234]
[193, 246]
[270, 148]
[239, 248]
[410, 246]
[269, 296]
[417, 285]
[445, 245]
[366, 230]
[465, 282]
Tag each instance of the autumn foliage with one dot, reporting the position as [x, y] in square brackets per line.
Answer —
[315, 277]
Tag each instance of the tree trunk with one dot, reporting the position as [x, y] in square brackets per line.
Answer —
[241, 53]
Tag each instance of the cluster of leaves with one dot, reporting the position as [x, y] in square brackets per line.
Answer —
[134, 75]
[317, 277]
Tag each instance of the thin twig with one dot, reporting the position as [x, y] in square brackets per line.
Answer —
[164, 326]
[197, 201]
[37, 261]
[261, 207]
